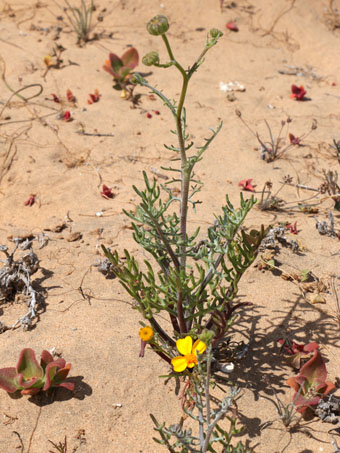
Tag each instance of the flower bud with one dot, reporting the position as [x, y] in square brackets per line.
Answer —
[158, 25]
[151, 58]
[215, 33]
[207, 336]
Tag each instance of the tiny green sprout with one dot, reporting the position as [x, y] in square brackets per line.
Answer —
[305, 275]
[158, 25]
[151, 58]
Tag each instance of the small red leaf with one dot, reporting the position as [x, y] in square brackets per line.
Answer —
[70, 96]
[246, 185]
[294, 140]
[55, 98]
[232, 26]
[67, 116]
[94, 97]
[30, 201]
[106, 192]
[298, 92]
[9, 379]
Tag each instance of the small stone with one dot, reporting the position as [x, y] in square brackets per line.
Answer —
[55, 225]
[72, 237]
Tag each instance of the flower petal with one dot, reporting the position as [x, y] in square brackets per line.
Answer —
[184, 345]
[179, 363]
[199, 346]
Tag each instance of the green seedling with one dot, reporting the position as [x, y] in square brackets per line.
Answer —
[30, 378]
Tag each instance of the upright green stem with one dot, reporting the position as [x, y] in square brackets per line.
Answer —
[185, 179]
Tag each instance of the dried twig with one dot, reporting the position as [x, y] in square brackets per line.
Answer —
[15, 277]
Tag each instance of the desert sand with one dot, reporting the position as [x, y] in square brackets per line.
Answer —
[89, 319]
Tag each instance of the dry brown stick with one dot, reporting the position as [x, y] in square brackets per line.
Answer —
[33, 431]
[9, 157]
[21, 442]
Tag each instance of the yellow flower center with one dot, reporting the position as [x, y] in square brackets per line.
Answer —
[146, 333]
[191, 358]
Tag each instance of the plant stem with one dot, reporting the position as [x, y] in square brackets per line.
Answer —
[185, 179]
[207, 383]
[181, 318]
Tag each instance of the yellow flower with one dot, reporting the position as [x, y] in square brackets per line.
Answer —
[189, 353]
[146, 333]
[48, 60]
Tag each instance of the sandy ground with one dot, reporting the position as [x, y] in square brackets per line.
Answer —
[88, 318]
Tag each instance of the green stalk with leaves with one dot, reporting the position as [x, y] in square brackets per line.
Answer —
[192, 293]
[194, 281]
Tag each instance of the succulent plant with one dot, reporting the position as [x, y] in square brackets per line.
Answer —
[120, 67]
[30, 378]
[297, 353]
[310, 385]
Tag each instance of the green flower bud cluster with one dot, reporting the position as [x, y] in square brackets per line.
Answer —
[151, 59]
[215, 33]
[158, 25]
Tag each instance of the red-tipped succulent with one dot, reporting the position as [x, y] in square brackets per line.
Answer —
[246, 184]
[310, 385]
[298, 93]
[30, 378]
[296, 352]
[121, 67]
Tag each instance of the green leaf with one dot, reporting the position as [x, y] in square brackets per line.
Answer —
[28, 365]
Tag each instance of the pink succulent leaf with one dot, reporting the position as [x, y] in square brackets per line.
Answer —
[327, 388]
[297, 351]
[46, 358]
[109, 70]
[67, 385]
[311, 347]
[130, 58]
[115, 62]
[51, 372]
[28, 366]
[30, 392]
[60, 363]
[62, 373]
[315, 369]
[9, 379]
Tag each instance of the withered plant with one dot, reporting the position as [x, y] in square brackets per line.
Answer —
[276, 146]
[15, 279]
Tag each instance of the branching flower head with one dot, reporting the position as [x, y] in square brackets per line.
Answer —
[189, 351]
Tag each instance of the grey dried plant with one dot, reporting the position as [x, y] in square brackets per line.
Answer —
[15, 278]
